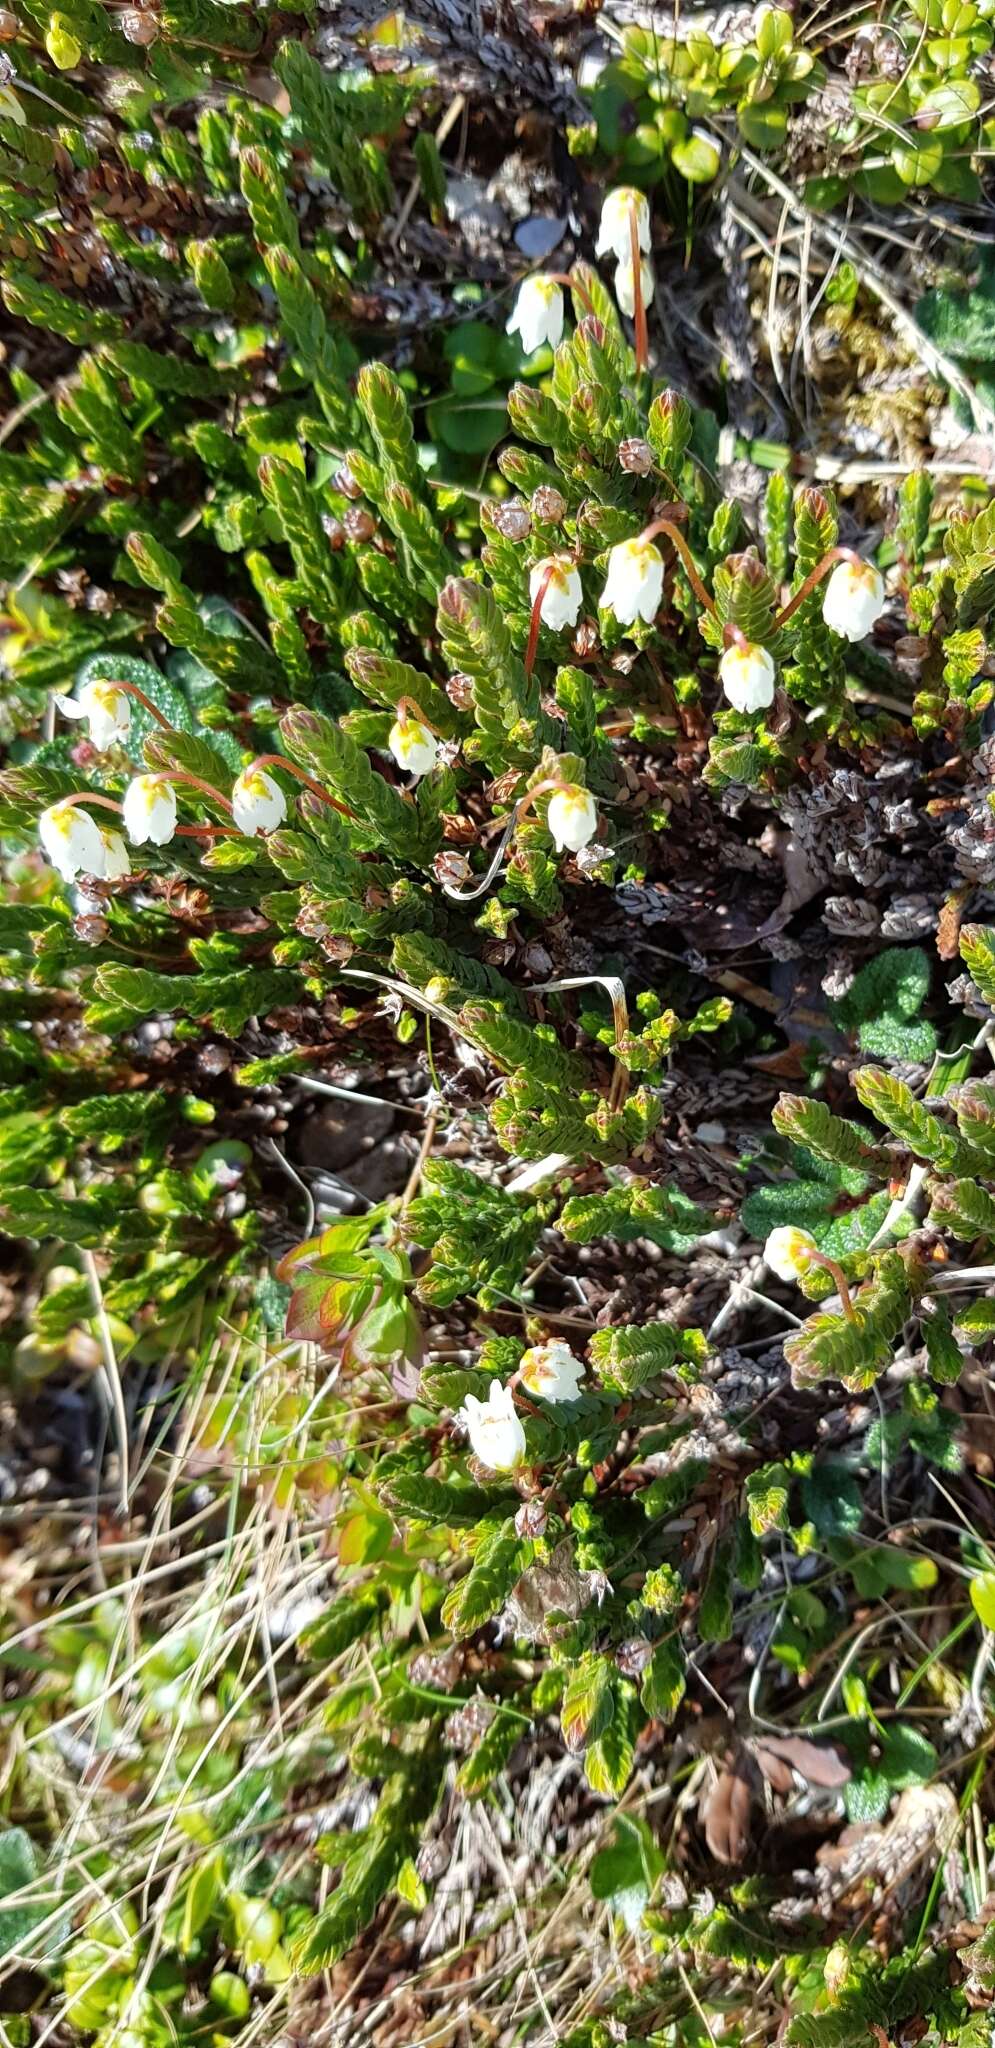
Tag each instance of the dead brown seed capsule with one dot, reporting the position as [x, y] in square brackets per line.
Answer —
[360, 524]
[345, 483]
[548, 505]
[636, 457]
[513, 521]
[138, 27]
[459, 690]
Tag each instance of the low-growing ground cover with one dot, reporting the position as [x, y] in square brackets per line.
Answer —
[496, 1158]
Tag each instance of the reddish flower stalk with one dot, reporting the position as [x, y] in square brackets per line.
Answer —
[180, 775]
[407, 707]
[300, 775]
[816, 1258]
[110, 803]
[642, 334]
[86, 796]
[564, 277]
[536, 618]
[680, 544]
[812, 581]
[132, 690]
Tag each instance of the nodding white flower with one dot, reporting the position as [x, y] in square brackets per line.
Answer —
[748, 675]
[538, 314]
[150, 810]
[117, 861]
[634, 583]
[854, 599]
[563, 595]
[615, 232]
[257, 802]
[787, 1251]
[551, 1372]
[106, 709]
[71, 840]
[572, 817]
[495, 1431]
[625, 291]
[413, 746]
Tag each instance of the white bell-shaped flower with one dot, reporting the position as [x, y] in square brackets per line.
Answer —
[71, 840]
[257, 802]
[572, 817]
[150, 810]
[787, 1251]
[117, 861]
[563, 595]
[551, 1372]
[615, 232]
[538, 314]
[106, 709]
[414, 748]
[747, 674]
[634, 583]
[854, 599]
[625, 291]
[495, 1431]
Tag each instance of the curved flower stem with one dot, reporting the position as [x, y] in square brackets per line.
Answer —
[408, 707]
[300, 775]
[680, 544]
[132, 690]
[180, 775]
[812, 581]
[518, 811]
[814, 1258]
[642, 335]
[86, 796]
[536, 618]
[110, 803]
[564, 277]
